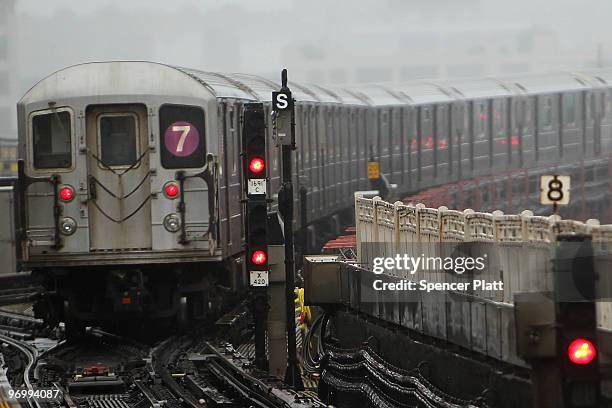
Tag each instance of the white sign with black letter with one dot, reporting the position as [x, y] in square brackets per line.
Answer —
[258, 278]
[256, 186]
[554, 189]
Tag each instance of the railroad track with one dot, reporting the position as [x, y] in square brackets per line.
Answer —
[102, 370]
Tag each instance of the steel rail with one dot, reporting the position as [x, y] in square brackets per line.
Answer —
[32, 355]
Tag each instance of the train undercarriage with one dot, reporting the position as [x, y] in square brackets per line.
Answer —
[118, 298]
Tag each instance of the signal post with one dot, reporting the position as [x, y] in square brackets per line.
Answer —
[284, 131]
[256, 251]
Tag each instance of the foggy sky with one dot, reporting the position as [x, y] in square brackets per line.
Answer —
[253, 35]
[318, 40]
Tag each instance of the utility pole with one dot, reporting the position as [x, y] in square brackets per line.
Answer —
[284, 130]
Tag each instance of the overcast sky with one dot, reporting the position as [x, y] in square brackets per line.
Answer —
[576, 24]
[323, 41]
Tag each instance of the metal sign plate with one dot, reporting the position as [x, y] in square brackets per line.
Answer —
[259, 278]
[256, 186]
[555, 189]
[373, 170]
[282, 101]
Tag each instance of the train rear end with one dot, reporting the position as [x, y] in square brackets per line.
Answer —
[118, 182]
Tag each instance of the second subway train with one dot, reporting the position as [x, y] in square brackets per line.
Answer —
[130, 185]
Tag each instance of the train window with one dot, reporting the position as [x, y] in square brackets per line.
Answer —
[426, 114]
[546, 115]
[480, 121]
[118, 133]
[51, 140]
[499, 123]
[526, 112]
[569, 109]
[183, 136]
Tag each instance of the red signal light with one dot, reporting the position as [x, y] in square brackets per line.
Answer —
[581, 351]
[259, 257]
[171, 190]
[66, 194]
[257, 165]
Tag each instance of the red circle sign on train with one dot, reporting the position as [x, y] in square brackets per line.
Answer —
[181, 138]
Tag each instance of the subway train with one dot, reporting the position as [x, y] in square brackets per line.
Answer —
[129, 180]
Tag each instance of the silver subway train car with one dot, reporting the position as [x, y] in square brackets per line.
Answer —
[129, 187]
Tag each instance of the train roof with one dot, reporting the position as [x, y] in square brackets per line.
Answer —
[140, 77]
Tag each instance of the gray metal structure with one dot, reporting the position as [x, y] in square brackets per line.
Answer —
[7, 232]
[423, 134]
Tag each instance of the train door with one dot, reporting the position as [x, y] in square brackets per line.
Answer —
[119, 178]
[499, 137]
[594, 103]
[425, 142]
[395, 133]
[441, 143]
[522, 138]
[384, 141]
[363, 131]
[570, 140]
[480, 136]
[331, 169]
[234, 175]
[460, 141]
[548, 143]
[410, 146]
[354, 144]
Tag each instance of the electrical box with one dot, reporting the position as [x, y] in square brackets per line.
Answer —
[325, 281]
[535, 318]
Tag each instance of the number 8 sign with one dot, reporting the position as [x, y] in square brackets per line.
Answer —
[181, 139]
[554, 190]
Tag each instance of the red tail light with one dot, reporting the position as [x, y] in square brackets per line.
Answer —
[66, 194]
[259, 257]
[581, 351]
[257, 165]
[171, 190]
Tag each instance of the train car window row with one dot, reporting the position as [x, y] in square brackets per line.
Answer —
[183, 134]
[52, 140]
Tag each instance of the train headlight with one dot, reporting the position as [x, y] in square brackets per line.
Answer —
[67, 226]
[172, 223]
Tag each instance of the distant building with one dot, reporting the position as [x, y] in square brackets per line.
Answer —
[6, 103]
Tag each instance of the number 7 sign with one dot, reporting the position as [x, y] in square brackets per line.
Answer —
[181, 139]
